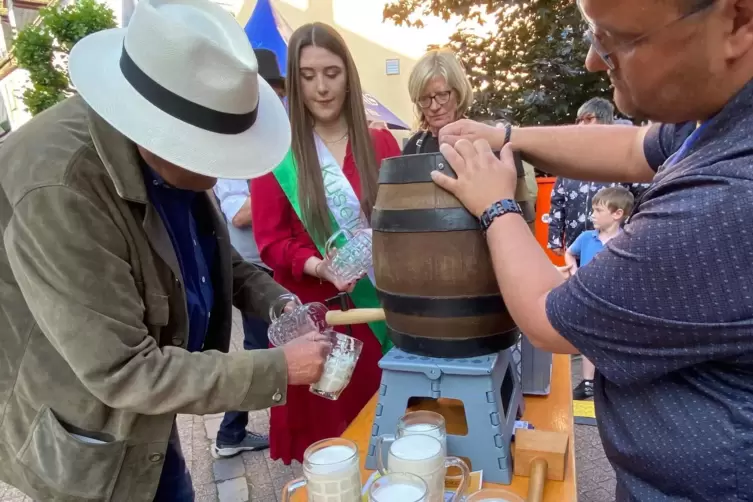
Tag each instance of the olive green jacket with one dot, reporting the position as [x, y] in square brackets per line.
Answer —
[93, 322]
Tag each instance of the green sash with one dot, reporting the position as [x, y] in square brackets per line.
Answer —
[364, 294]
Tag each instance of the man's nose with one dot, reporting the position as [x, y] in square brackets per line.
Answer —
[594, 62]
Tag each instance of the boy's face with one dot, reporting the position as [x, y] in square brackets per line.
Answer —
[603, 218]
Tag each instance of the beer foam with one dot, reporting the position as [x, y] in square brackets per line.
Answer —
[330, 459]
[416, 447]
[398, 493]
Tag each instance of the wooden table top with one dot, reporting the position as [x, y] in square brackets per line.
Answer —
[549, 413]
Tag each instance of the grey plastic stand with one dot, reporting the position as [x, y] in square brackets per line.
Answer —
[490, 391]
[534, 368]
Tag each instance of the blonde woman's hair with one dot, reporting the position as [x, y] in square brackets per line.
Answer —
[440, 63]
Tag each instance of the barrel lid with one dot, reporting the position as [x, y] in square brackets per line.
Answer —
[417, 168]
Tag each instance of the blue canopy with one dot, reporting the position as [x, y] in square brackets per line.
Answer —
[266, 29]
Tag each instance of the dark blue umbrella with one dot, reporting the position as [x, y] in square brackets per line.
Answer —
[266, 29]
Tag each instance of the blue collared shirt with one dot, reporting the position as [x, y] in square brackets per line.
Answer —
[195, 250]
[586, 246]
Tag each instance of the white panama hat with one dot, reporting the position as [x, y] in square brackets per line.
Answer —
[182, 82]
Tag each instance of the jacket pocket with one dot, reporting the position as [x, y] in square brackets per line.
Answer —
[157, 309]
[80, 468]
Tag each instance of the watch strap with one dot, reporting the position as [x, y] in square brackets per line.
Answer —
[496, 210]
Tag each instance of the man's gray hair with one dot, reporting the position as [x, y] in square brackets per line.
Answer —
[600, 108]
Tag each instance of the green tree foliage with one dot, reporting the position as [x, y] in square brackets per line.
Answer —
[529, 68]
[42, 49]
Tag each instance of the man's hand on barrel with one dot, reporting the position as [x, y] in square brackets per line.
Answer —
[482, 178]
[472, 131]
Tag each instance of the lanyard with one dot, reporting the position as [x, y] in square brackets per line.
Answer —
[679, 154]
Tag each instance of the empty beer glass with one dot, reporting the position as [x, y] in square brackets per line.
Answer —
[352, 260]
[301, 319]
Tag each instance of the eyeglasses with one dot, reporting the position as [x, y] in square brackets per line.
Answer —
[440, 97]
[606, 54]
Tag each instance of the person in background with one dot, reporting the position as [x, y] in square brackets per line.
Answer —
[570, 209]
[611, 206]
[294, 216]
[441, 94]
[118, 277]
[235, 202]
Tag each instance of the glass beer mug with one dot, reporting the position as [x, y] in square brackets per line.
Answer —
[301, 319]
[331, 473]
[339, 366]
[352, 260]
[398, 487]
[425, 457]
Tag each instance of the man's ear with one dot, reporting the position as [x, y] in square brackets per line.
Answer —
[738, 16]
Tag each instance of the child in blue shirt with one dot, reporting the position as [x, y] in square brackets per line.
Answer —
[611, 206]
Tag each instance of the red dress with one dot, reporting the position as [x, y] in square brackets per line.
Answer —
[285, 246]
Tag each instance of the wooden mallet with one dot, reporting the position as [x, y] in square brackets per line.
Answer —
[540, 455]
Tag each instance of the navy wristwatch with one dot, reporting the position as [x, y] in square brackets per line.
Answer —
[496, 210]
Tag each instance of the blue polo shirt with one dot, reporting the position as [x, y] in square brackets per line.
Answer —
[586, 246]
[666, 315]
[194, 248]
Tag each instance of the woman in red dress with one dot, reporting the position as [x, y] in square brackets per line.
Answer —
[293, 216]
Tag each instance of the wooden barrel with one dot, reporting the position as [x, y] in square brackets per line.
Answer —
[433, 272]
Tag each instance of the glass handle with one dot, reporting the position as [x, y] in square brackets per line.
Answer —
[331, 242]
[280, 303]
[465, 474]
[291, 488]
[380, 453]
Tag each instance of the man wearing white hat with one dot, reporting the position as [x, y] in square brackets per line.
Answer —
[117, 278]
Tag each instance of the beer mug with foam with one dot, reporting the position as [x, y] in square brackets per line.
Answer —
[398, 487]
[331, 473]
[425, 457]
[339, 365]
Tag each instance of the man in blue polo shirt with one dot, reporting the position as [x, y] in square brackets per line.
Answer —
[673, 344]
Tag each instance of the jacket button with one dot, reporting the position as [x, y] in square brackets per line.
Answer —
[155, 457]
[277, 397]
[177, 341]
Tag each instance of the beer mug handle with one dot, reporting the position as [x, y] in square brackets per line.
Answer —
[292, 487]
[280, 304]
[389, 438]
[465, 475]
[328, 247]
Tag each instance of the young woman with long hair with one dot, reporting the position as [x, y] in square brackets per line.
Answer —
[328, 181]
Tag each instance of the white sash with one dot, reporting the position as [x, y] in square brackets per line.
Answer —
[341, 198]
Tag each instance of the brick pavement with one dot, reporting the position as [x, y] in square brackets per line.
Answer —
[255, 477]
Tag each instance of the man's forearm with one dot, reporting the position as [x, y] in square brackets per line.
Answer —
[242, 218]
[592, 153]
[525, 276]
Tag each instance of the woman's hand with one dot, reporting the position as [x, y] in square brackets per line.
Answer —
[482, 178]
[325, 273]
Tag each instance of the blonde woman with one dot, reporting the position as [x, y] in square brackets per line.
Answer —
[441, 94]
